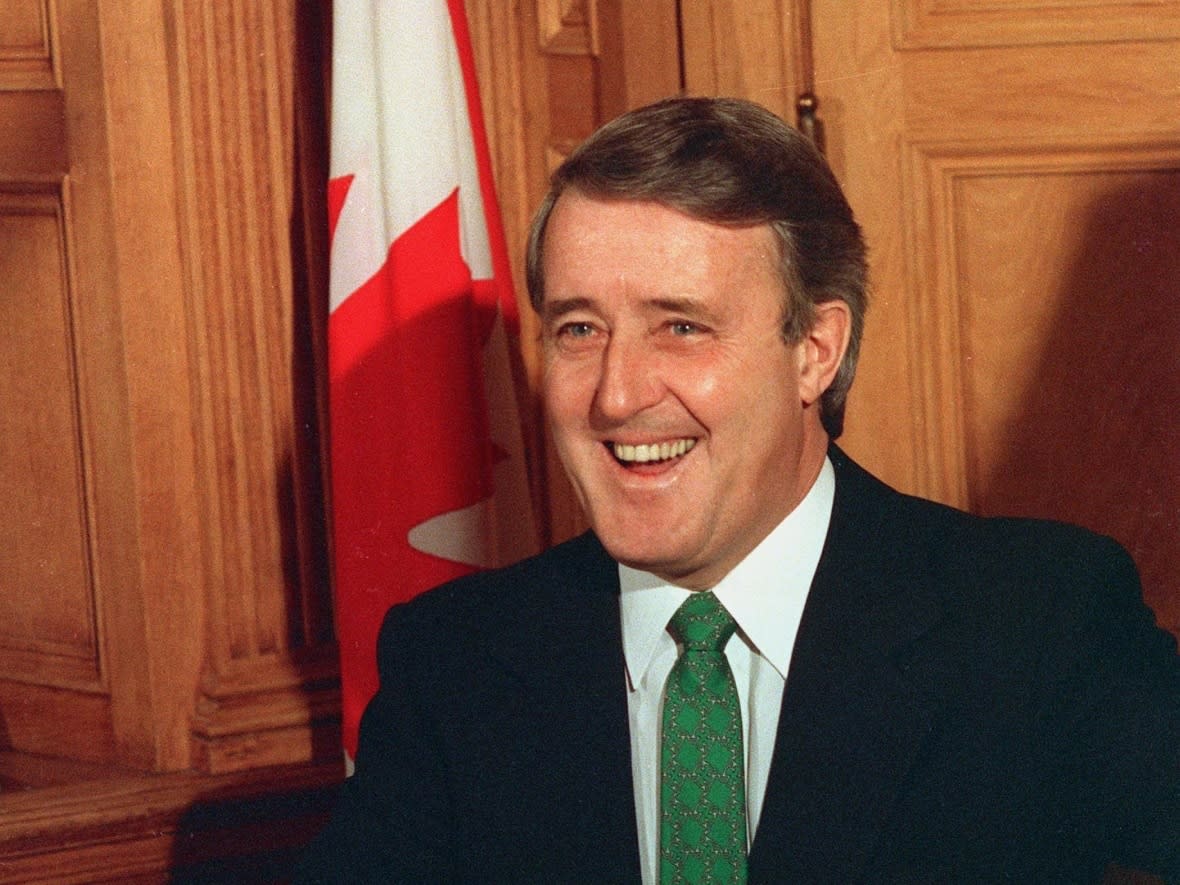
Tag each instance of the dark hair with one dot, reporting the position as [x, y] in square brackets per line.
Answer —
[730, 162]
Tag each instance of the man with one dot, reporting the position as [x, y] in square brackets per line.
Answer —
[923, 695]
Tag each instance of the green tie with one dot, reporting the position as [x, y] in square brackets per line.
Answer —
[702, 787]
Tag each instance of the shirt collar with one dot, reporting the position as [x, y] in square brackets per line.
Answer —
[765, 592]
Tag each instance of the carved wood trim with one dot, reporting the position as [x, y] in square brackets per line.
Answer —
[942, 24]
[269, 711]
[568, 27]
[28, 46]
[252, 271]
[241, 827]
[936, 173]
[234, 175]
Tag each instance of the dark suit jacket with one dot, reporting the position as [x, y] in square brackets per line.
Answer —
[969, 701]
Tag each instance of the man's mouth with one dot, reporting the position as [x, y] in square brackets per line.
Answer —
[651, 453]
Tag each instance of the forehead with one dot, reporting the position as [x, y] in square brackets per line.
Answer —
[591, 238]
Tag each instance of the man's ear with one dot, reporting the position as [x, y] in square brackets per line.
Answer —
[822, 349]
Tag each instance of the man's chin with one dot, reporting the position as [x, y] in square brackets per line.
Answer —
[638, 556]
[667, 565]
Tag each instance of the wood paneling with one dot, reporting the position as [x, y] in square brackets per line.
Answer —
[268, 692]
[163, 598]
[743, 48]
[138, 413]
[48, 626]
[165, 581]
[1090, 316]
[55, 670]
[27, 58]
[1014, 166]
[957, 24]
[164, 594]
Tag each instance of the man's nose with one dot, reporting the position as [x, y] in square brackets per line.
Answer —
[630, 379]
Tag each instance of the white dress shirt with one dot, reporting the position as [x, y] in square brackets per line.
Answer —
[765, 593]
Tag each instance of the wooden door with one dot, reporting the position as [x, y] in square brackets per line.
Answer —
[59, 416]
[1017, 169]
[163, 592]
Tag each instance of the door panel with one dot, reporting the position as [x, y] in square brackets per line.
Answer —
[1017, 171]
[54, 687]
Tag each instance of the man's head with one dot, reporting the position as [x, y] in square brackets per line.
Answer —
[735, 164]
[689, 333]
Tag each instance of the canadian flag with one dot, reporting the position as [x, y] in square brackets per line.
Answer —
[427, 465]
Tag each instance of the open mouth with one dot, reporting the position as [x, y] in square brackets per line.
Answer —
[651, 453]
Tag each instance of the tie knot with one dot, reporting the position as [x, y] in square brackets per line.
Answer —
[702, 623]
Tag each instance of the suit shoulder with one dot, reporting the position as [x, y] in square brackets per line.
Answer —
[579, 565]
[915, 539]
[1028, 545]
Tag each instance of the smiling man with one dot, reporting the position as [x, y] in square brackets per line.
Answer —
[688, 427]
[761, 664]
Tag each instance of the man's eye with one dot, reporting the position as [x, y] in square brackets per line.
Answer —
[576, 330]
[684, 328]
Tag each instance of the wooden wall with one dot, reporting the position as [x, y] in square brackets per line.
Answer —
[166, 643]
[165, 581]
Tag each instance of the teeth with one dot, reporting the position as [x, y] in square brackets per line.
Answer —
[644, 453]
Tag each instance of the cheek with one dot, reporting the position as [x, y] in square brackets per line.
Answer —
[705, 383]
[566, 391]
[723, 391]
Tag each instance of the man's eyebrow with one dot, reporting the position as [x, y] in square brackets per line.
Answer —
[559, 307]
[686, 307]
[555, 308]
[672, 304]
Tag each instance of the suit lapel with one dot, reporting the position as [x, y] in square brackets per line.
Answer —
[852, 719]
[571, 714]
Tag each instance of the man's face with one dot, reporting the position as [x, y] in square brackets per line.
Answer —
[688, 428]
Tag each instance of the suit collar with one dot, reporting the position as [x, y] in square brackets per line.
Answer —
[853, 714]
[564, 657]
[566, 620]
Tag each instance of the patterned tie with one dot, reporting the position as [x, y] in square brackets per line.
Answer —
[702, 788]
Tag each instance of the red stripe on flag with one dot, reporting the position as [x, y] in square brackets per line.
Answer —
[409, 431]
[337, 194]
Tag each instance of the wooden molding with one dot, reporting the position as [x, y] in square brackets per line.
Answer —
[251, 321]
[939, 175]
[946, 24]
[28, 46]
[176, 827]
[235, 121]
[568, 27]
[274, 710]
